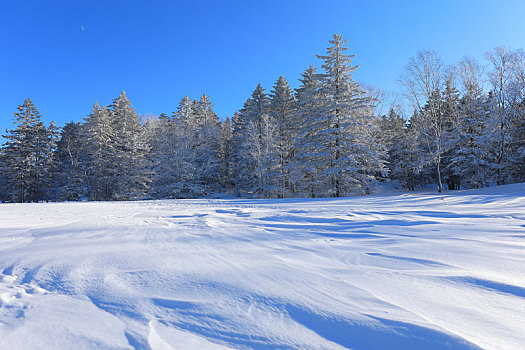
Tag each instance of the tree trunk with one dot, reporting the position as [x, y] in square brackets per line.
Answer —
[438, 170]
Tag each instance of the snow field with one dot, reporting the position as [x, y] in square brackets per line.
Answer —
[406, 271]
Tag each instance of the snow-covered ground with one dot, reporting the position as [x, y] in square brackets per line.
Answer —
[409, 271]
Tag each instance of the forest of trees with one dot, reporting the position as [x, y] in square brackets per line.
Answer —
[325, 139]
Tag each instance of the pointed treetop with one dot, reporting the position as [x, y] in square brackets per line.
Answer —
[259, 92]
[338, 69]
[184, 110]
[258, 103]
[281, 85]
[335, 55]
[282, 94]
[121, 102]
[338, 41]
[27, 113]
[309, 81]
[205, 100]
[310, 74]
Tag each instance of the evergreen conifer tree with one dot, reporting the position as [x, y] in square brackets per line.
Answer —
[282, 112]
[131, 148]
[345, 155]
[248, 127]
[225, 154]
[28, 155]
[69, 166]
[306, 176]
[100, 148]
[206, 137]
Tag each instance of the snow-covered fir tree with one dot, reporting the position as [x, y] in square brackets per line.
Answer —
[344, 154]
[4, 184]
[130, 158]
[163, 149]
[262, 151]
[282, 113]
[391, 130]
[70, 177]
[206, 132]
[517, 147]
[100, 148]
[306, 176]
[517, 125]
[225, 154]
[470, 143]
[450, 111]
[27, 156]
[247, 125]
[405, 158]
[174, 156]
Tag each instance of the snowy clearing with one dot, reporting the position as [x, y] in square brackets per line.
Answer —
[409, 271]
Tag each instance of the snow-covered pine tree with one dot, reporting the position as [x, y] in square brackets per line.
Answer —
[470, 143]
[247, 125]
[344, 155]
[282, 113]
[517, 134]
[517, 147]
[372, 155]
[4, 185]
[391, 129]
[225, 154]
[473, 158]
[206, 137]
[69, 166]
[100, 147]
[449, 109]
[184, 111]
[133, 173]
[239, 175]
[429, 131]
[179, 171]
[165, 143]
[305, 173]
[47, 146]
[27, 156]
[261, 150]
[406, 158]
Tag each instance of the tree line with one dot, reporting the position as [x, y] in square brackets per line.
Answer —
[324, 139]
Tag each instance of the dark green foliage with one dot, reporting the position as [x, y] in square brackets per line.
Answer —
[27, 156]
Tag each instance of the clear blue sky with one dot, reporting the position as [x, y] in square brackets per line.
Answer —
[65, 55]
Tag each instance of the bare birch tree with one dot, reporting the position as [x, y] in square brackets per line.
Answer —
[423, 82]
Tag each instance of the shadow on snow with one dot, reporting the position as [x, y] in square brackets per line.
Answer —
[383, 334]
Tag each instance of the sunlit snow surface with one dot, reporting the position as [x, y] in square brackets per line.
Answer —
[409, 271]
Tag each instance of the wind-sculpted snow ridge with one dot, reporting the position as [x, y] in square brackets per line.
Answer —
[409, 271]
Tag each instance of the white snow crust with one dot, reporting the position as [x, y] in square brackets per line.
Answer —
[404, 271]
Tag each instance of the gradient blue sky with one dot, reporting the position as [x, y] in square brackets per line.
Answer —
[159, 51]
